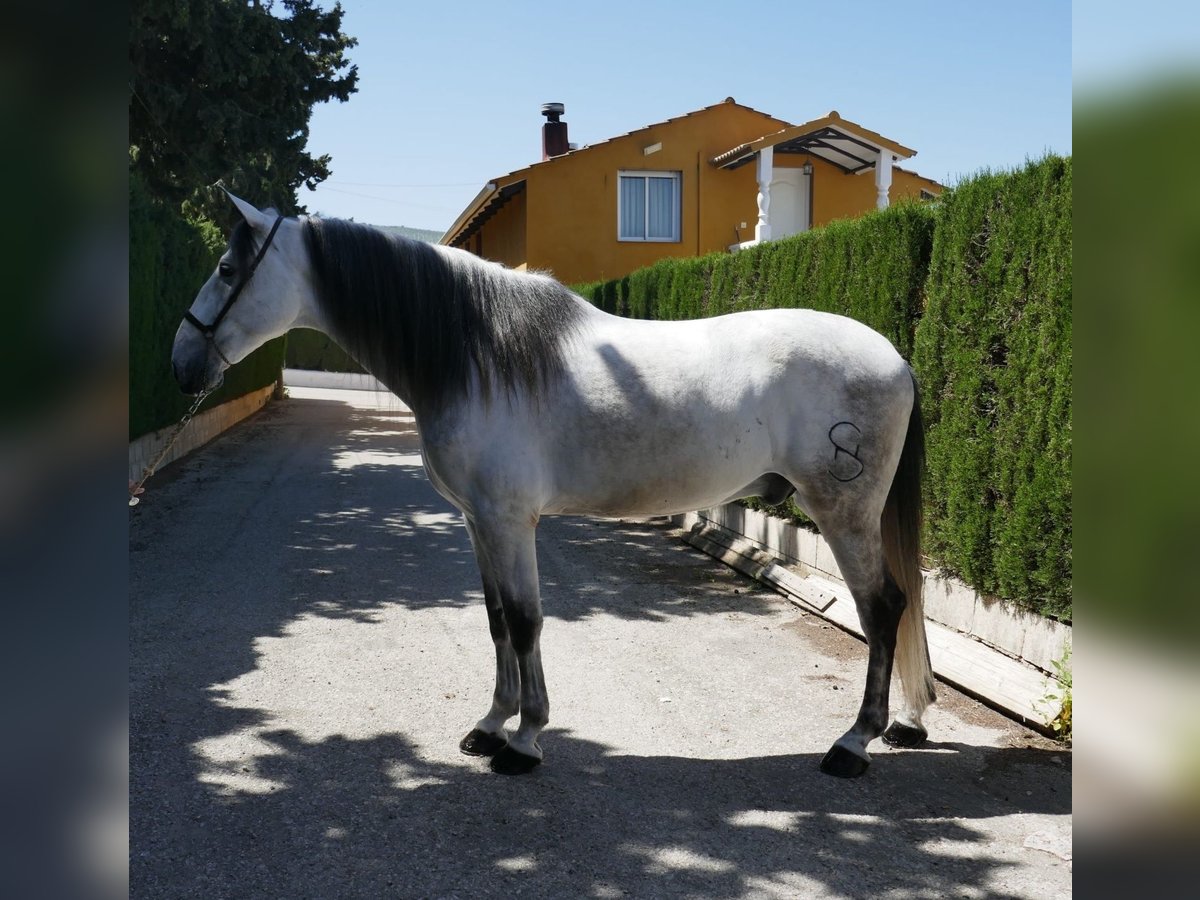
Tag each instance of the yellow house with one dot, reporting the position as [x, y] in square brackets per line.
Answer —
[721, 178]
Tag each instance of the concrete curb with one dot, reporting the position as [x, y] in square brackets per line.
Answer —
[1013, 631]
[202, 429]
[800, 565]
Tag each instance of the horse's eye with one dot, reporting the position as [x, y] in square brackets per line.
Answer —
[225, 269]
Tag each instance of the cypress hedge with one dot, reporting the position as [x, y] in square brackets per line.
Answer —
[309, 349]
[993, 352]
[169, 259]
[975, 290]
[872, 269]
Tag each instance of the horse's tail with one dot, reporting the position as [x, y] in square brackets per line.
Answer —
[901, 525]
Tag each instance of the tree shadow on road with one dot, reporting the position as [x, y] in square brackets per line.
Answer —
[371, 818]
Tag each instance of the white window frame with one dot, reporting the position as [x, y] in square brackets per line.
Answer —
[647, 174]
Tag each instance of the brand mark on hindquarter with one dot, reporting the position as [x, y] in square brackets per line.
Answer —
[846, 439]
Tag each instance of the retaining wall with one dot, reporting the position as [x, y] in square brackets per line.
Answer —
[202, 429]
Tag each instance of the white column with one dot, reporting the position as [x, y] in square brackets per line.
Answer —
[766, 171]
[807, 200]
[883, 179]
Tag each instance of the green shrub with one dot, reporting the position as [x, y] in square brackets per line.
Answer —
[169, 259]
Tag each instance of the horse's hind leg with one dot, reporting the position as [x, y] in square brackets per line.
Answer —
[507, 560]
[880, 604]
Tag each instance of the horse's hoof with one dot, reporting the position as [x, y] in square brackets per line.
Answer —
[841, 763]
[480, 743]
[513, 762]
[901, 735]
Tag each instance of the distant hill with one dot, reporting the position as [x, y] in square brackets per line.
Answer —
[416, 234]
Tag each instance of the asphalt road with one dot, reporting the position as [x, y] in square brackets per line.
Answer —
[308, 643]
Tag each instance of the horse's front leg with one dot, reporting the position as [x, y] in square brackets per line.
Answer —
[488, 737]
[507, 560]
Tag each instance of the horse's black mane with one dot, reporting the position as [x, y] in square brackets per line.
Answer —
[423, 318]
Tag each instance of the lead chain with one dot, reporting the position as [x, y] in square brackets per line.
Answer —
[135, 489]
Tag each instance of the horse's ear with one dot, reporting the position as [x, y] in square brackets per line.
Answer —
[254, 217]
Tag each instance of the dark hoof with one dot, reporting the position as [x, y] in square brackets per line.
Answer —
[512, 762]
[899, 735]
[480, 743]
[841, 763]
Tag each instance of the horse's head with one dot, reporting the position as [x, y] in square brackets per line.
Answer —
[259, 290]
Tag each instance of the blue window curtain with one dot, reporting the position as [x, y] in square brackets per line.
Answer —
[661, 208]
[633, 207]
[649, 207]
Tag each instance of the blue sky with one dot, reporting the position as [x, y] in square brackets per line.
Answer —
[1118, 47]
[449, 93]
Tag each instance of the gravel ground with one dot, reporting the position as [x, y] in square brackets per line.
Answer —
[308, 643]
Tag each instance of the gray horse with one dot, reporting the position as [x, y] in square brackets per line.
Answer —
[531, 402]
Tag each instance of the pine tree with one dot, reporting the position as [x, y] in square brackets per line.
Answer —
[222, 90]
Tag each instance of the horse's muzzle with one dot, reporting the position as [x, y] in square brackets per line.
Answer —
[185, 378]
[195, 366]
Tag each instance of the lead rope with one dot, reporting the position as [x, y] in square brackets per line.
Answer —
[136, 488]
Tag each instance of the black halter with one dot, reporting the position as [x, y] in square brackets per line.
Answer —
[209, 331]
